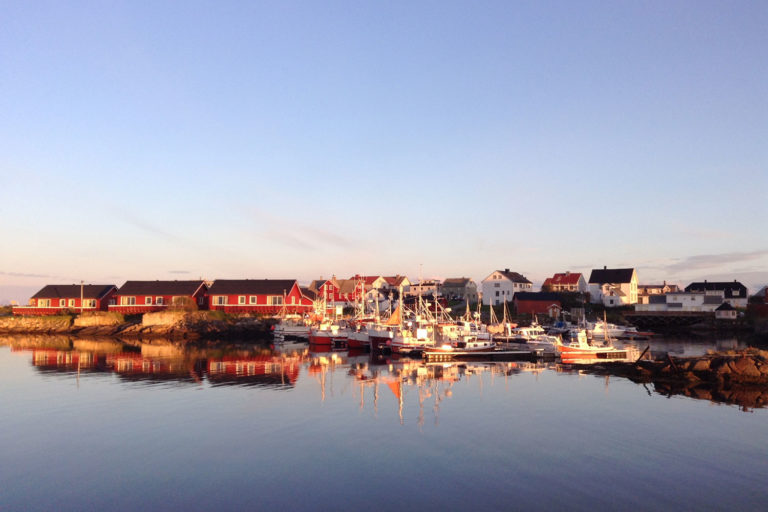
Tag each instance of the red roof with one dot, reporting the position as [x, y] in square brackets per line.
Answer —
[561, 279]
[369, 280]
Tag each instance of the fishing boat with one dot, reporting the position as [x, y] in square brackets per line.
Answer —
[580, 348]
[359, 337]
[467, 344]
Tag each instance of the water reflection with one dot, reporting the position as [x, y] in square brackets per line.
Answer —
[279, 367]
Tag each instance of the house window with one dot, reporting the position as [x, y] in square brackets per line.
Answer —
[159, 301]
[252, 299]
[241, 299]
[497, 294]
[44, 303]
[496, 285]
[127, 301]
[147, 300]
[275, 300]
[71, 303]
[201, 300]
[89, 303]
[62, 303]
[220, 300]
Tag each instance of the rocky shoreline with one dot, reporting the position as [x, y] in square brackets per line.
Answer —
[734, 377]
[172, 325]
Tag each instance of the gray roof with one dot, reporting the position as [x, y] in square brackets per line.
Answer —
[251, 286]
[611, 275]
[460, 282]
[177, 288]
[732, 289]
[537, 296]
[514, 276]
[72, 291]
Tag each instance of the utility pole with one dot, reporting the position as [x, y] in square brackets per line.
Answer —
[81, 296]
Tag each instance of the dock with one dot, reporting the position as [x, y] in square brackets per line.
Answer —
[475, 355]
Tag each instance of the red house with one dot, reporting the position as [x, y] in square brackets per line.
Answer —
[55, 299]
[265, 296]
[148, 296]
[537, 303]
[339, 292]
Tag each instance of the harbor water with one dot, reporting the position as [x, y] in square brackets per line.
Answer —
[102, 425]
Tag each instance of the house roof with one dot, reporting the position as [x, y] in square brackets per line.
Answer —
[725, 307]
[537, 296]
[459, 282]
[565, 278]
[251, 286]
[728, 287]
[72, 291]
[347, 286]
[394, 280]
[178, 288]
[317, 284]
[515, 277]
[611, 275]
[308, 293]
[368, 280]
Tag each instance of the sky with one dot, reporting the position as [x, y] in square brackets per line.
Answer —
[290, 139]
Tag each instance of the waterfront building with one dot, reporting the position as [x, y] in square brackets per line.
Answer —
[565, 282]
[54, 299]
[502, 285]
[425, 287]
[683, 302]
[613, 287]
[645, 291]
[537, 303]
[734, 293]
[148, 296]
[461, 288]
[264, 296]
[726, 312]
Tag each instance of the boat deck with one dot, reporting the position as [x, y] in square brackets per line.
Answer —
[476, 355]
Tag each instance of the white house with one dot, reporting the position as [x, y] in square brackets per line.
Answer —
[734, 293]
[613, 286]
[682, 302]
[503, 284]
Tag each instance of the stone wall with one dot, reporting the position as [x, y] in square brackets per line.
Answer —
[98, 319]
[36, 324]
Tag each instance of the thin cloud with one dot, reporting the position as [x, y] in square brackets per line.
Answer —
[706, 261]
[298, 235]
[178, 272]
[20, 274]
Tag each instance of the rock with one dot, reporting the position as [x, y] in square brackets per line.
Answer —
[701, 365]
[745, 366]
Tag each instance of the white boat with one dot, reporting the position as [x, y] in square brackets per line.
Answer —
[292, 328]
[579, 348]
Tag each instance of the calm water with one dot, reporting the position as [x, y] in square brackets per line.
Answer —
[105, 426]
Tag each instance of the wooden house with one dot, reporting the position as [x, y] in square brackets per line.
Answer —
[148, 296]
[613, 287]
[501, 286]
[264, 296]
[54, 299]
[537, 303]
[565, 282]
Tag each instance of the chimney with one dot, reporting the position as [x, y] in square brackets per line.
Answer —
[567, 273]
[605, 267]
[506, 270]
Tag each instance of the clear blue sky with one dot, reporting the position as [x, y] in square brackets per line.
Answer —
[162, 140]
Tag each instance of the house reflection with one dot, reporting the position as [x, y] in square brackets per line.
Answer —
[261, 370]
